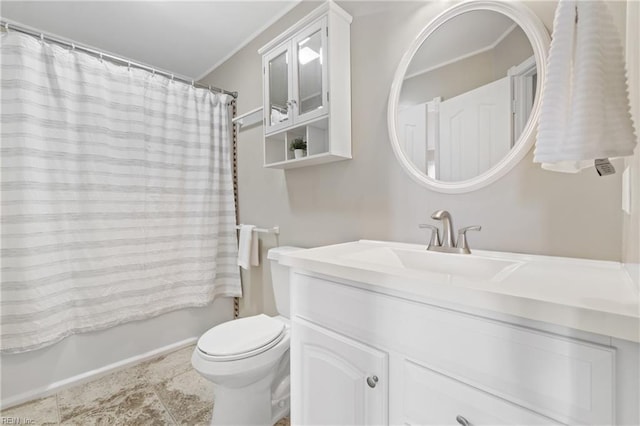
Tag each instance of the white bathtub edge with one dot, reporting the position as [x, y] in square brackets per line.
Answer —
[88, 376]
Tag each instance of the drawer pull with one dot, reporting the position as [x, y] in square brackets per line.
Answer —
[372, 381]
[462, 421]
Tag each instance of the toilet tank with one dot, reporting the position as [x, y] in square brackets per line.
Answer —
[280, 279]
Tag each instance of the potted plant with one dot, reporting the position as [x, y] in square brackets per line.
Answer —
[299, 147]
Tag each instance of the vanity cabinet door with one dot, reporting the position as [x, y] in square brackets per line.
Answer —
[336, 380]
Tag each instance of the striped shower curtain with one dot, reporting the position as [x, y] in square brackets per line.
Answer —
[117, 195]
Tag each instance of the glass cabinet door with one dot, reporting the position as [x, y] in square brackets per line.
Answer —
[310, 77]
[277, 89]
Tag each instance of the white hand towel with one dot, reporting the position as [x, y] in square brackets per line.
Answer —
[585, 107]
[246, 246]
[255, 259]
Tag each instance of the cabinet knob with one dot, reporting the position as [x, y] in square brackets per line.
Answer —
[372, 381]
[462, 421]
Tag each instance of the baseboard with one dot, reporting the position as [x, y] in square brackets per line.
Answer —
[633, 269]
[91, 375]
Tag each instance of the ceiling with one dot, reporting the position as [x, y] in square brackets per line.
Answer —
[188, 38]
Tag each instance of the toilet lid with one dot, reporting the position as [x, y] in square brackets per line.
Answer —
[241, 336]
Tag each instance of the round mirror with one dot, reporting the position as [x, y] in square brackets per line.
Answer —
[464, 101]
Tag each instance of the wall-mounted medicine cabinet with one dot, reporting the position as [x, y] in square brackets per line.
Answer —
[307, 90]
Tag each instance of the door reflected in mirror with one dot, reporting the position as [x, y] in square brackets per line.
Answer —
[466, 96]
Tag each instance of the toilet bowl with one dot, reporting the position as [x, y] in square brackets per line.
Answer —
[248, 360]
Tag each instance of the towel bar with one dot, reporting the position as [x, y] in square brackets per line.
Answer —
[274, 230]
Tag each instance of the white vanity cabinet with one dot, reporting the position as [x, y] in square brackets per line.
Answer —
[437, 365]
[307, 90]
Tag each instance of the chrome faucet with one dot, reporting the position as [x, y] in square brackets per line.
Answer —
[446, 244]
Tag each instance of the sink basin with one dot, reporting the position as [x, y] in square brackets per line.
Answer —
[469, 266]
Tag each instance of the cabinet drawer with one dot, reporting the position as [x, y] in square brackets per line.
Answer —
[565, 379]
[429, 397]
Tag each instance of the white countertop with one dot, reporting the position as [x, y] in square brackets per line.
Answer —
[588, 295]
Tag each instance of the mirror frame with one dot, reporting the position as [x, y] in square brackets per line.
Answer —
[540, 40]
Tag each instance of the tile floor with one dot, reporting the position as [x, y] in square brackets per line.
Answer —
[163, 391]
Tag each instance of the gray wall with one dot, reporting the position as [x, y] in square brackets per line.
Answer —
[631, 223]
[449, 80]
[511, 51]
[371, 197]
[469, 73]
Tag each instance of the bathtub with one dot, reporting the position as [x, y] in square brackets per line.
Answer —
[84, 357]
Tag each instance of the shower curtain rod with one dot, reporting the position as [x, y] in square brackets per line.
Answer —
[10, 26]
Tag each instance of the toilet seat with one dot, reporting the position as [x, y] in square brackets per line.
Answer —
[242, 338]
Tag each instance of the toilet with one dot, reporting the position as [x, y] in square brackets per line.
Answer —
[248, 360]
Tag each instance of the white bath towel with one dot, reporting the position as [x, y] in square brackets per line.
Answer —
[248, 247]
[585, 106]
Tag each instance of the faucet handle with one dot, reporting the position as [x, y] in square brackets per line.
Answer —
[435, 234]
[462, 237]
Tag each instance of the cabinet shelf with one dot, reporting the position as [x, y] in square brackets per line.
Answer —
[309, 160]
[314, 132]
